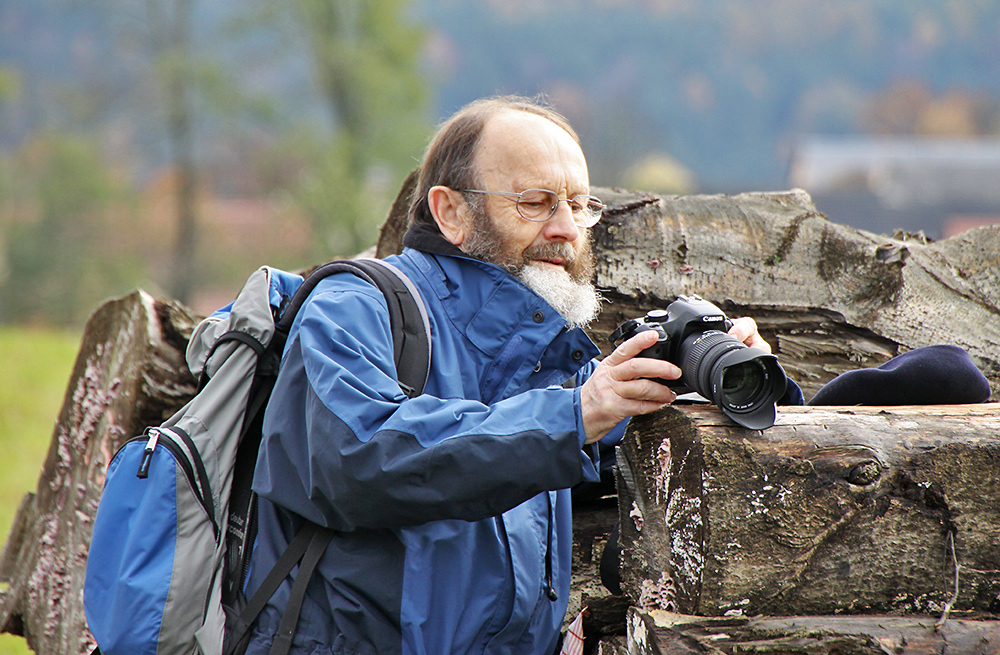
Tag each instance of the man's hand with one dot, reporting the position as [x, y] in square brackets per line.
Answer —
[620, 387]
[745, 329]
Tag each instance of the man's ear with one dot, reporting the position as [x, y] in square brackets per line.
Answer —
[448, 209]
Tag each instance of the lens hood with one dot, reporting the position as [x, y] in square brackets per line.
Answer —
[745, 384]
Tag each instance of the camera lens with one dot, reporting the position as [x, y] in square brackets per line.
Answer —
[744, 382]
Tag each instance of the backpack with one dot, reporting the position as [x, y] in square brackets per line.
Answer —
[176, 522]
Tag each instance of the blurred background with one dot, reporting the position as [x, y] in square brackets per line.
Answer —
[176, 145]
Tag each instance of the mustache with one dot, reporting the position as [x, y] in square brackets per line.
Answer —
[550, 251]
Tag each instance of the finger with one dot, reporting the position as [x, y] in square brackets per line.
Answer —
[646, 391]
[631, 347]
[645, 368]
[758, 342]
[745, 329]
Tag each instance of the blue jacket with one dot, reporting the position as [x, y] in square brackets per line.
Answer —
[452, 508]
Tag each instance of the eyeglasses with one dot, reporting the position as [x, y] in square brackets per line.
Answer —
[539, 205]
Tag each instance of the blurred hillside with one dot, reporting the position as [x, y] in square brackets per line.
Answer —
[722, 85]
[725, 86]
[713, 96]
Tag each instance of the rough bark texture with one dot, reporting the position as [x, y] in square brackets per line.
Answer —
[390, 237]
[829, 298]
[666, 633]
[832, 510]
[129, 373]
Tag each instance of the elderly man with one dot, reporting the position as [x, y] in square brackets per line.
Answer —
[451, 509]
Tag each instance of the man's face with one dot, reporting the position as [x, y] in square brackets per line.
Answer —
[521, 151]
[553, 257]
[487, 241]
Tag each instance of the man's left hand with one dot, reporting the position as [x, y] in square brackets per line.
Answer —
[745, 329]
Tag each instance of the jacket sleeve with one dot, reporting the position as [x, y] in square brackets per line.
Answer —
[346, 449]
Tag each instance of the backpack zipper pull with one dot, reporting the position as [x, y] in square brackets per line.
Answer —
[147, 453]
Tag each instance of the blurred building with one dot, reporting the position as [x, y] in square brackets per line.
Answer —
[882, 184]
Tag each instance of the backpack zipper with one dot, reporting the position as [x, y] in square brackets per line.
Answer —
[190, 463]
[147, 453]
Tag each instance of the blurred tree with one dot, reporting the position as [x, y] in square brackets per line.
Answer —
[193, 101]
[65, 218]
[909, 107]
[9, 86]
[171, 24]
[897, 109]
[956, 114]
[365, 58]
[10, 83]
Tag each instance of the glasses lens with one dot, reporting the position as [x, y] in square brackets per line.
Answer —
[587, 210]
[537, 204]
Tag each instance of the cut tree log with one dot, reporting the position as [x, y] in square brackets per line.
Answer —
[829, 298]
[593, 522]
[833, 510]
[129, 373]
[666, 633]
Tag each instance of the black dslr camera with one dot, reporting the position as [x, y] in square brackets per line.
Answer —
[692, 334]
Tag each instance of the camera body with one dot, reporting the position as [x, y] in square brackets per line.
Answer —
[682, 318]
[692, 334]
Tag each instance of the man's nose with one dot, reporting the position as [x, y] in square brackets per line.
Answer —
[561, 226]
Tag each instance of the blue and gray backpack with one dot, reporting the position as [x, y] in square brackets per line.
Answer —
[176, 523]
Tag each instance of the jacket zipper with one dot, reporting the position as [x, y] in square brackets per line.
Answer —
[550, 590]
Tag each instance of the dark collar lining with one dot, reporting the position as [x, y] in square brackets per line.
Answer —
[426, 238]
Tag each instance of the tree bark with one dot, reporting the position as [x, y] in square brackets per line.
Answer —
[593, 522]
[829, 298]
[390, 237]
[665, 633]
[833, 510]
[130, 373]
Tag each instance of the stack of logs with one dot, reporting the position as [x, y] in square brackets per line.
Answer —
[838, 530]
[874, 527]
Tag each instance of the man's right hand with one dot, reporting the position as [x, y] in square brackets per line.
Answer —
[622, 385]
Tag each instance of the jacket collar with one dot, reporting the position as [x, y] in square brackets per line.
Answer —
[499, 315]
[425, 238]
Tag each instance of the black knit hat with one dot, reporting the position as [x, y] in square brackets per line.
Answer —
[932, 375]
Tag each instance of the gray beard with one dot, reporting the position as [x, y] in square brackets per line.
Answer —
[578, 302]
[570, 292]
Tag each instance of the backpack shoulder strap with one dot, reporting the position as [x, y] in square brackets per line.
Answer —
[408, 317]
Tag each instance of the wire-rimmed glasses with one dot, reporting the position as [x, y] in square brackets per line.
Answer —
[539, 205]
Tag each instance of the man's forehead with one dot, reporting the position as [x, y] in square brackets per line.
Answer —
[512, 127]
[522, 143]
